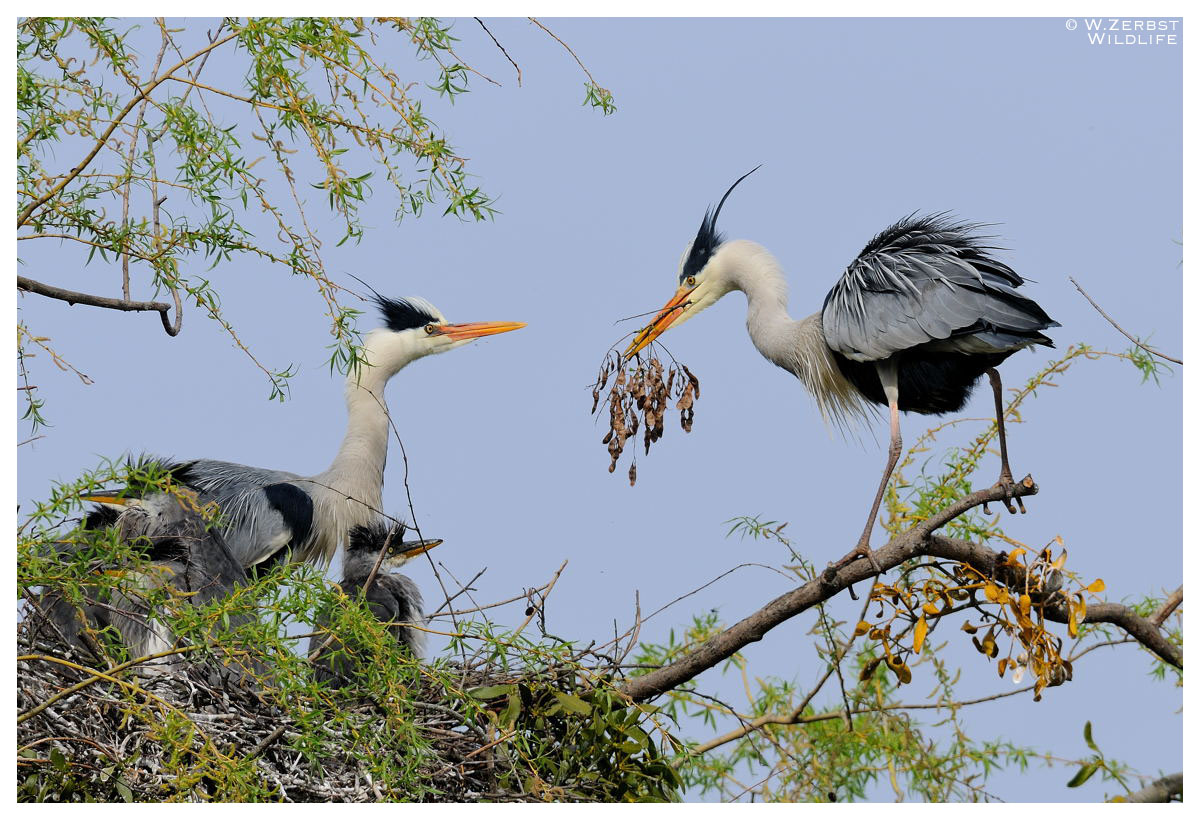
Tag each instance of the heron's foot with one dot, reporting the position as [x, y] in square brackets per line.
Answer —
[861, 550]
[1010, 493]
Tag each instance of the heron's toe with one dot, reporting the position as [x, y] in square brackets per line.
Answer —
[1010, 495]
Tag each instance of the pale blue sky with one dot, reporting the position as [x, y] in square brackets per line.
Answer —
[1074, 150]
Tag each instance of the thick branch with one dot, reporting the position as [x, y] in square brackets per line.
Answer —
[917, 541]
[73, 297]
[987, 561]
[790, 604]
[1160, 791]
[1170, 605]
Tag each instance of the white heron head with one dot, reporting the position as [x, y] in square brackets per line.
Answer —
[414, 328]
[702, 279]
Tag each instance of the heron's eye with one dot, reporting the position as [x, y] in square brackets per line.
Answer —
[431, 329]
[691, 281]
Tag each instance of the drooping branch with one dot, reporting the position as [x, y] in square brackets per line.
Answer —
[74, 297]
[917, 541]
[1122, 330]
[116, 122]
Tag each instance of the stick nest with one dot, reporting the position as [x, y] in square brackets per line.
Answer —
[102, 743]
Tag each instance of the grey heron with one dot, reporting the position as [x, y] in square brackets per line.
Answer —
[919, 316]
[393, 599]
[265, 511]
[183, 555]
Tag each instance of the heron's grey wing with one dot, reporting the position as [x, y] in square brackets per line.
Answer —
[929, 281]
[264, 511]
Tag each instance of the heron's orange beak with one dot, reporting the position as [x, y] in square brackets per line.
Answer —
[412, 548]
[106, 497]
[475, 330]
[666, 317]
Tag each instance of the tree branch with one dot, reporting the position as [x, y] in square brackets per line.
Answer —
[988, 562]
[73, 297]
[1100, 310]
[917, 541]
[1170, 605]
[28, 210]
[1160, 791]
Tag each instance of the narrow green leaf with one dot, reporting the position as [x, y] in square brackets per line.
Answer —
[1083, 775]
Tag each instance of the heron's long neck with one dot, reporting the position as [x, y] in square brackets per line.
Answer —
[798, 346]
[357, 470]
[754, 271]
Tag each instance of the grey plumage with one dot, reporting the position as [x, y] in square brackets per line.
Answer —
[182, 556]
[919, 316]
[255, 524]
[392, 599]
[928, 282]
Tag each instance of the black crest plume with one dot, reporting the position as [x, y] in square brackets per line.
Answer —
[707, 239]
[404, 314]
[401, 314]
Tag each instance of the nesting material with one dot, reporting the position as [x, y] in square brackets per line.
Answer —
[640, 396]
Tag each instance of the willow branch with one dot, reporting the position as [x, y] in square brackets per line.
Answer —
[28, 210]
[1100, 310]
[917, 541]
[991, 564]
[74, 297]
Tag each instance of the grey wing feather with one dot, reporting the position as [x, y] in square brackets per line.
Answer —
[397, 598]
[255, 529]
[927, 281]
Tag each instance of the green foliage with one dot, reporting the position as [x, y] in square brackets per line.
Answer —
[518, 719]
[577, 742]
[1109, 769]
[133, 157]
[849, 735]
[1148, 365]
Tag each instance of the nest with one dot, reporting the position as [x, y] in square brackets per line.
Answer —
[99, 743]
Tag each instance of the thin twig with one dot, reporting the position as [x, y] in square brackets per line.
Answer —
[545, 594]
[538, 23]
[1112, 322]
[502, 51]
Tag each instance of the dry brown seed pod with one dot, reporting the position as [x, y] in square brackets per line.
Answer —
[633, 473]
[692, 379]
[638, 401]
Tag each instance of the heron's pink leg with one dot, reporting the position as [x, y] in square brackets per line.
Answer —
[1006, 477]
[863, 548]
[889, 377]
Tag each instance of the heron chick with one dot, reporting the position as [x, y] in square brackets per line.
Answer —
[183, 556]
[394, 600]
